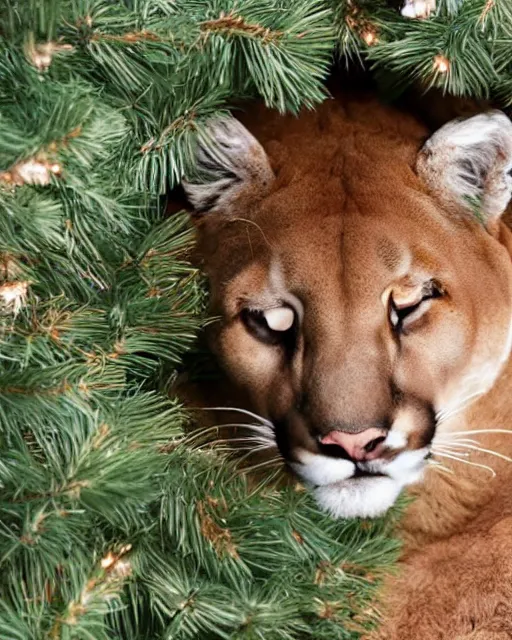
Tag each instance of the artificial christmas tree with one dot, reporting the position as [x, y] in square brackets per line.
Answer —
[111, 526]
[114, 524]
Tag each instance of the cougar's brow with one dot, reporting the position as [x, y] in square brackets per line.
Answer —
[388, 253]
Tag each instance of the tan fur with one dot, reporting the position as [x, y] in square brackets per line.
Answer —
[346, 222]
[456, 578]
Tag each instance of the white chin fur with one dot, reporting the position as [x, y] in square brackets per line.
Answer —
[343, 496]
[366, 497]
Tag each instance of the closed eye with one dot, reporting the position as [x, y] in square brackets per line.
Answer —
[397, 315]
[403, 316]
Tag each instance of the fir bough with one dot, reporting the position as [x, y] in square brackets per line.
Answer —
[112, 525]
[462, 48]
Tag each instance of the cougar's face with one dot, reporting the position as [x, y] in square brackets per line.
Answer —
[358, 311]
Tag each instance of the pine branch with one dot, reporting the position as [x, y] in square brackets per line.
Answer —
[112, 523]
[462, 49]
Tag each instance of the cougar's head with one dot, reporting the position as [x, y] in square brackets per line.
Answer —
[364, 284]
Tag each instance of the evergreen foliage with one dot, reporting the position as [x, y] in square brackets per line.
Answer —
[112, 523]
[463, 48]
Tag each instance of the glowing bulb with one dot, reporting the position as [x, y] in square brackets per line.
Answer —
[441, 64]
[369, 37]
[33, 172]
[108, 560]
[123, 568]
[13, 296]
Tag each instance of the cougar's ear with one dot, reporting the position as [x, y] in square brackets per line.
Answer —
[232, 170]
[467, 164]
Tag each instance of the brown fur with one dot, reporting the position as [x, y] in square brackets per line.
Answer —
[346, 206]
[456, 578]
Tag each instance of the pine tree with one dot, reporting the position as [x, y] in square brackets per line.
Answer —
[113, 523]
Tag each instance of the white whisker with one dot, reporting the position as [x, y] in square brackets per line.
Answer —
[200, 432]
[437, 466]
[476, 431]
[261, 429]
[447, 440]
[454, 440]
[489, 451]
[449, 449]
[264, 447]
[463, 401]
[245, 411]
[262, 444]
[272, 463]
[442, 416]
[473, 464]
[270, 476]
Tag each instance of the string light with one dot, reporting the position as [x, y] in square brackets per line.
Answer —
[123, 569]
[370, 37]
[13, 296]
[35, 171]
[362, 26]
[40, 55]
[441, 64]
[115, 564]
[418, 8]
[108, 560]
[104, 586]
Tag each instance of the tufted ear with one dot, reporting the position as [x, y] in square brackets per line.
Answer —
[232, 169]
[467, 164]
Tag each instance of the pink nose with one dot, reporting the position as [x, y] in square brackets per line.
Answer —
[366, 445]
